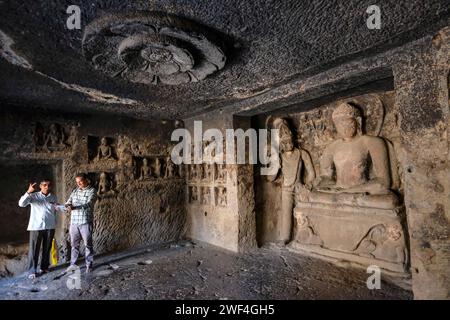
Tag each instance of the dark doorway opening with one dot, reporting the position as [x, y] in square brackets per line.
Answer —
[15, 179]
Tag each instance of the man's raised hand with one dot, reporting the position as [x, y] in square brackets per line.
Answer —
[31, 188]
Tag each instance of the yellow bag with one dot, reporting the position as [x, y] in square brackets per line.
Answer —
[54, 254]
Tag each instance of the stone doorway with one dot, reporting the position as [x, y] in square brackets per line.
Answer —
[15, 177]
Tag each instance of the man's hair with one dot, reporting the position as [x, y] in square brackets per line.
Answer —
[81, 175]
[46, 180]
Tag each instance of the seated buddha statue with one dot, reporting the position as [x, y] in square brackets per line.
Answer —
[355, 168]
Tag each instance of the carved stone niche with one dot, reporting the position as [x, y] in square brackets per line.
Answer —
[193, 194]
[170, 169]
[207, 172]
[152, 47]
[104, 183]
[221, 196]
[54, 137]
[353, 212]
[102, 149]
[144, 169]
[205, 195]
[221, 173]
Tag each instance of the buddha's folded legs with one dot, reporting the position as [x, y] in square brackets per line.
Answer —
[384, 201]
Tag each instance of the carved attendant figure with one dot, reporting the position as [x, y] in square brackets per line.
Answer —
[55, 138]
[103, 184]
[126, 160]
[304, 232]
[296, 170]
[73, 135]
[157, 168]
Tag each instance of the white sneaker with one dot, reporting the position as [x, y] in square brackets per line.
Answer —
[71, 268]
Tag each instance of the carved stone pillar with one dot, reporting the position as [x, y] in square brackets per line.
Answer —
[221, 205]
[245, 197]
[421, 84]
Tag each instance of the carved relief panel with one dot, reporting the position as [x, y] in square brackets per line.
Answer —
[353, 209]
[102, 149]
[54, 137]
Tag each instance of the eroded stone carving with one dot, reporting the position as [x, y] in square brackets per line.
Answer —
[146, 170]
[181, 170]
[297, 171]
[384, 242]
[221, 196]
[152, 47]
[193, 194]
[207, 171]
[304, 232]
[206, 195]
[54, 138]
[39, 137]
[192, 172]
[126, 160]
[221, 173]
[121, 180]
[158, 168]
[170, 168]
[105, 186]
[104, 151]
[72, 140]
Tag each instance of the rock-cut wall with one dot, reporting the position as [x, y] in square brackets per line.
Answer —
[140, 191]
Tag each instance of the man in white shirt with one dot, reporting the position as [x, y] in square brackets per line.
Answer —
[41, 225]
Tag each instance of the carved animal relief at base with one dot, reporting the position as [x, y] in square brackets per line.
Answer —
[362, 235]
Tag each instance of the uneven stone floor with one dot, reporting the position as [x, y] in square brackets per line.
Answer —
[188, 270]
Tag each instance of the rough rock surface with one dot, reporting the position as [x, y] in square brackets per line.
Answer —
[198, 271]
[128, 213]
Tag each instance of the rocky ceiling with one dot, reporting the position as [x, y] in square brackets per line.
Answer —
[174, 59]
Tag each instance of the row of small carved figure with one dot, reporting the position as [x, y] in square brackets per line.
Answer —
[208, 172]
[106, 184]
[159, 169]
[203, 195]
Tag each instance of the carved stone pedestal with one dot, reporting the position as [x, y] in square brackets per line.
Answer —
[360, 235]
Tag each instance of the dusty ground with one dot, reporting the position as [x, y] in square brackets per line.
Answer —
[197, 271]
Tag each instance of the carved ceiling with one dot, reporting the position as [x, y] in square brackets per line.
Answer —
[174, 59]
[151, 48]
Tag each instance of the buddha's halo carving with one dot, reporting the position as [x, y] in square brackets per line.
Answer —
[152, 48]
